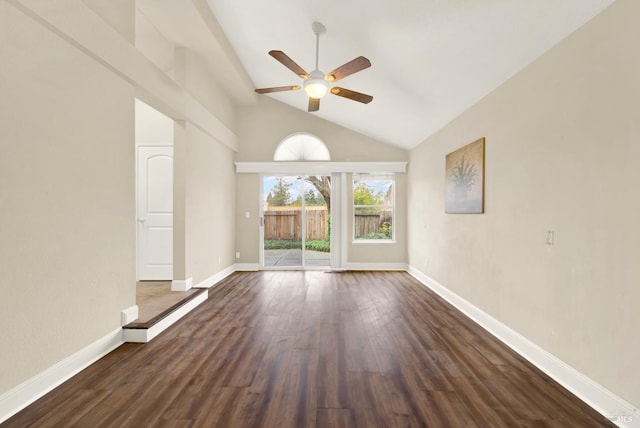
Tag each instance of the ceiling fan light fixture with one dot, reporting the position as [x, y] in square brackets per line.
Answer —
[316, 87]
[316, 84]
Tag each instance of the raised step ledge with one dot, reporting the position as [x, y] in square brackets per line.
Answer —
[143, 332]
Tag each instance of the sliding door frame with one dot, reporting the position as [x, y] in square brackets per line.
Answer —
[338, 172]
[303, 227]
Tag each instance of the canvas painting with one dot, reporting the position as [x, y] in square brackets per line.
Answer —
[464, 192]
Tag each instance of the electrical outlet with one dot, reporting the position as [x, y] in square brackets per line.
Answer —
[237, 254]
[550, 237]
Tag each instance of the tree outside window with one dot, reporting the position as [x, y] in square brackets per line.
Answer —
[373, 201]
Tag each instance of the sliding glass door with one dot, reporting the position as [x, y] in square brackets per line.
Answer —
[296, 222]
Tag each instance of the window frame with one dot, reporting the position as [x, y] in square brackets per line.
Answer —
[392, 206]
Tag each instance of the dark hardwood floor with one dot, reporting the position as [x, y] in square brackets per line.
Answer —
[305, 349]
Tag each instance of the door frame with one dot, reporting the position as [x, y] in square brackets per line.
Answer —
[303, 227]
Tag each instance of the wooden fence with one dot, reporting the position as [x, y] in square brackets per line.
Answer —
[286, 224]
[370, 222]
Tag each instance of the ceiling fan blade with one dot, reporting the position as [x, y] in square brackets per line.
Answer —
[348, 69]
[278, 89]
[314, 104]
[289, 63]
[352, 95]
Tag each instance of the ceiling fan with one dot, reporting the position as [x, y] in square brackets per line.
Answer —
[317, 84]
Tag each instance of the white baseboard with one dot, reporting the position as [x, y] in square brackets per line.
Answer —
[611, 406]
[247, 266]
[145, 335]
[181, 284]
[376, 266]
[128, 315]
[348, 266]
[16, 399]
[215, 278]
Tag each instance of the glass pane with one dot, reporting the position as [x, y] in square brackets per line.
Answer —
[317, 243]
[373, 192]
[373, 208]
[288, 227]
[373, 223]
[282, 221]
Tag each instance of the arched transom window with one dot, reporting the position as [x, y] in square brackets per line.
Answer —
[302, 147]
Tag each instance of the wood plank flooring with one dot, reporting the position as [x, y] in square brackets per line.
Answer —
[314, 349]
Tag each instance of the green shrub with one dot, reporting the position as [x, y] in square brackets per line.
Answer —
[281, 244]
[385, 229]
[322, 245]
[374, 236]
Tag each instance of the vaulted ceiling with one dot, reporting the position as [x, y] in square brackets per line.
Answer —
[431, 59]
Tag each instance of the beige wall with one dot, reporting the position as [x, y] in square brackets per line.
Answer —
[208, 92]
[152, 128]
[67, 234]
[209, 207]
[119, 14]
[266, 123]
[562, 151]
[247, 232]
[263, 126]
[180, 161]
[67, 185]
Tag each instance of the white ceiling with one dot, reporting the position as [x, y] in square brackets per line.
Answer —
[431, 59]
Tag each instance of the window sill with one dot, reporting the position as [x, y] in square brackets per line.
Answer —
[373, 241]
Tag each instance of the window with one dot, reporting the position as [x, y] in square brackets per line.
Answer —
[301, 147]
[373, 202]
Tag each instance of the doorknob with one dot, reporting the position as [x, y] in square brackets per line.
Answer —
[141, 220]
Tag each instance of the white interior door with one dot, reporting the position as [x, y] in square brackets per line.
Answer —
[155, 213]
